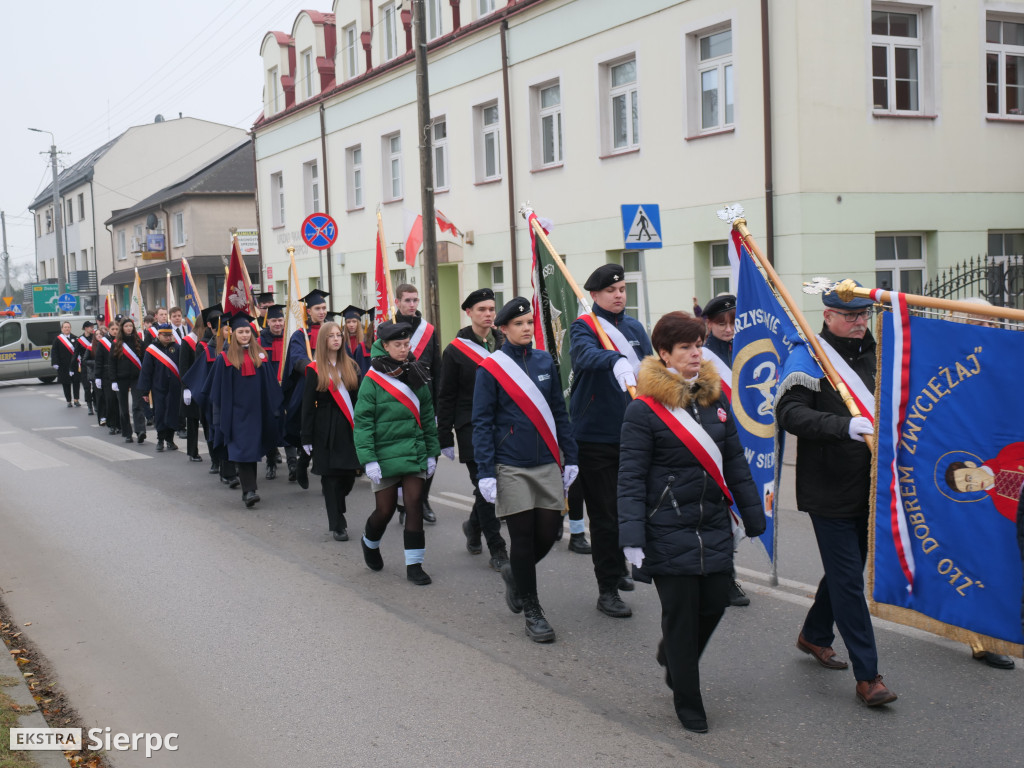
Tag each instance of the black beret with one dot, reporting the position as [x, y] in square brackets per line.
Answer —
[832, 301]
[480, 294]
[515, 308]
[719, 304]
[603, 276]
[388, 331]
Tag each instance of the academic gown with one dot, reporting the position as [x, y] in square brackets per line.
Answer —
[245, 410]
[292, 383]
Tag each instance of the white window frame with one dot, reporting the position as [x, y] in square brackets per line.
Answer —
[277, 210]
[497, 270]
[122, 245]
[137, 238]
[542, 114]
[359, 297]
[69, 207]
[634, 278]
[630, 92]
[311, 185]
[1002, 50]
[896, 267]
[350, 52]
[48, 212]
[354, 176]
[81, 206]
[307, 73]
[178, 228]
[442, 181]
[388, 32]
[723, 67]
[391, 171]
[488, 141]
[892, 43]
[435, 18]
[273, 80]
[718, 271]
[485, 7]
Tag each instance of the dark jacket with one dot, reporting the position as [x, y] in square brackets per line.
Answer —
[721, 348]
[274, 346]
[327, 429]
[502, 433]
[657, 473]
[833, 472]
[431, 355]
[597, 403]
[101, 356]
[455, 395]
[361, 354]
[65, 360]
[121, 369]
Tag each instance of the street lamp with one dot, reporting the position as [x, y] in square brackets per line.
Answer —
[58, 213]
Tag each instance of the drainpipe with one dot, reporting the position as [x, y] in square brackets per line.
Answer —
[327, 195]
[508, 156]
[256, 201]
[769, 183]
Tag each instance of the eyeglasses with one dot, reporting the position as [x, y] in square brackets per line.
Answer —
[724, 322]
[852, 317]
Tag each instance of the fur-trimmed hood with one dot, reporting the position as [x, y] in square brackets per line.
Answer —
[668, 388]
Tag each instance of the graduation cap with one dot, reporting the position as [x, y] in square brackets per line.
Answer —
[274, 310]
[314, 297]
[331, 316]
[212, 312]
[263, 299]
[353, 313]
[240, 320]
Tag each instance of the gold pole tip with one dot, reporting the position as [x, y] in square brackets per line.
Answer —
[844, 289]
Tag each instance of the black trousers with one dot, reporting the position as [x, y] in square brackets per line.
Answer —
[68, 384]
[691, 607]
[88, 374]
[599, 476]
[134, 413]
[336, 486]
[576, 501]
[840, 601]
[482, 517]
[113, 407]
[192, 435]
[247, 474]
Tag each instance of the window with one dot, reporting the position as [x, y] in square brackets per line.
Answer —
[42, 272]
[392, 152]
[137, 240]
[311, 181]
[483, 7]
[435, 21]
[85, 260]
[81, 206]
[10, 333]
[350, 52]
[896, 57]
[620, 105]
[307, 73]
[72, 263]
[1006, 268]
[122, 245]
[272, 99]
[388, 32]
[354, 175]
[899, 262]
[277, 199]
[42, 334]
[721, 269]
[1004, 67]
[488, 147]
[359, 297]
[498, 283]
[69, 210]
[547, 103]
[398, 277]
[178, 228]
[439, 139]
[633, 275]
[49, 219]
[39, 224]
[714, 71]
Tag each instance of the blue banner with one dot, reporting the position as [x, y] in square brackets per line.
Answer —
[190, 305]
[950, 464]
[760, 348]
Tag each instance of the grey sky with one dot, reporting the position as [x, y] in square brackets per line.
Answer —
[88, 71]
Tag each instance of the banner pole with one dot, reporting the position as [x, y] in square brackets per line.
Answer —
[847, 289]
[295, 281]
[387, 267]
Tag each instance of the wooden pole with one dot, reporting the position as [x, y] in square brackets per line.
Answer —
[387, 270]
[848, 289]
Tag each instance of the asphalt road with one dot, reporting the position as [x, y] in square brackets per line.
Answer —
[165, 606]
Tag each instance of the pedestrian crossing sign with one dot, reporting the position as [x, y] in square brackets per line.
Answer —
[641, 225]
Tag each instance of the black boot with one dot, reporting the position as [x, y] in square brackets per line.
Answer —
[374, 559]
[417, 575]
[472, 538]
[428, 513]
[537, 627]
[578, 543]
[271, 470]
[249, 498]
[159, 444]
[416, 542]
[512, 599]
[737, 597]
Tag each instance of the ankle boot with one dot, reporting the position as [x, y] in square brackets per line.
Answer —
[512, 599]
[374, 559]
[417, 575]
[415, 545]
[537, 627]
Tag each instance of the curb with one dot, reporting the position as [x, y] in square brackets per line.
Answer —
[32, 718]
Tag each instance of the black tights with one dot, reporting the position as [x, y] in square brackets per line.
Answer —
[531, 535]
[387, 503]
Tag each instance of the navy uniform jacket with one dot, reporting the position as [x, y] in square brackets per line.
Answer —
[361, 355]
[455, 395]
[502, 433]
[159, 379]
[598, 404]
[244, 410]
[721, 348]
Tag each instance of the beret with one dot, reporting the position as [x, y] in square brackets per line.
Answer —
[719, 304]
[515, 308]
[480, 294]
[603, 276]
[832, 301]
[389, 331]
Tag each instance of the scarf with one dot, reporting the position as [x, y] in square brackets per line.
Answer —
[412, 373]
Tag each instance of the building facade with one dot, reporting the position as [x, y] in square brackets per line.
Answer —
[896, 134]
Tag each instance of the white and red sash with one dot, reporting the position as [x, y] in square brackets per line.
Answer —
[694, 437]
[422, 336]
[527, 395]
[191, 339]
[153, 330]
[619, 342]
[723, 371]
[398, 390]
[105, 342]
[475, 352]
[130, 354]
[67, 344]
[164, 359]
[85, 343]
[864, 397]
[342, 398]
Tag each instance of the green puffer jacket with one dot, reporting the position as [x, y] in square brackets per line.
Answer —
[387, 432]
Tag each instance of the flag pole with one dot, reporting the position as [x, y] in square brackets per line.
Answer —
[740, 225]
[848, 289]
[539, 231]
[196, 298]
[387, 267]
[295, 281]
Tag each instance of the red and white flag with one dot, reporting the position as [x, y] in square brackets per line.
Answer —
[237, 288]
[413, 236]
[445, 224]
[380, 283]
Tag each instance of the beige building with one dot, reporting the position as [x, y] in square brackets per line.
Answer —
[896, 134]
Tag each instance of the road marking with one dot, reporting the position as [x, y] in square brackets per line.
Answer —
[9, 432]
[25, 458]
[49, 429]
[458, 497]
[452, 504]
[102, 449]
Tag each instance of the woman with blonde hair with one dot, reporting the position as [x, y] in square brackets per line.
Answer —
[246, 400]
[328, 413]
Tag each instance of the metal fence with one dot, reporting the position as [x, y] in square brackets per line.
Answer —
[999, 279]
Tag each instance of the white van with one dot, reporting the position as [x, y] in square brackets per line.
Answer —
[25, 345]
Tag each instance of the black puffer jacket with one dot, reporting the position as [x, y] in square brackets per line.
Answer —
[833, 472]
[695, 539]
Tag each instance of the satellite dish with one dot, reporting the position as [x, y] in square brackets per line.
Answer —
[158, 119]
[151, 221]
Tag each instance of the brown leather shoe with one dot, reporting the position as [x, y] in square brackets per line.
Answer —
[874, 693]
[824, 654]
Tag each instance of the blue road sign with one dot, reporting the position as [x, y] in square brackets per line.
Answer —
[67, 302]
[16, 309]
[319, 231]
[641, 225]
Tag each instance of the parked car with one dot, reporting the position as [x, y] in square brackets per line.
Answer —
[25, 345]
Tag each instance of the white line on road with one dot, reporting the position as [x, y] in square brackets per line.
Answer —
[458, 497]
[102, 448]
[49, 429]
[25, 458]
[9, 432]
[452, 504]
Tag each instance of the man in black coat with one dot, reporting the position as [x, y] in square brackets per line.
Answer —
[461, 358]
[833, 478]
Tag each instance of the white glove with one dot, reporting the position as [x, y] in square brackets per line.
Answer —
[56, 367]
[186, 396]
[99, 383]
[308, 449]
[623, 373]
[114, 387]
[568, 475]
[635, 555]
[448, 453]
[373, 472]
[488, 488]
[431, 466]
[860, 426]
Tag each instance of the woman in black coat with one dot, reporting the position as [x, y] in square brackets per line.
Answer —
[674, 522]
[123, 368]
[328, 408]
[64, 358]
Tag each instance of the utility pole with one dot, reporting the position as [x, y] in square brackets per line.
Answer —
[8, 291]
[419, 22]
[58, 215]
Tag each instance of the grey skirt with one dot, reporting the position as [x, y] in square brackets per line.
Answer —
[523, 488]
